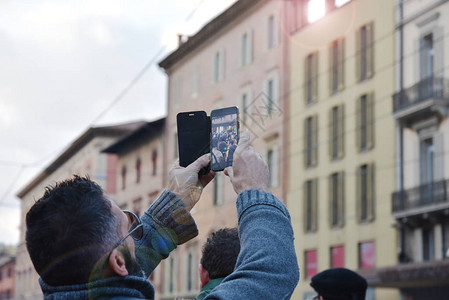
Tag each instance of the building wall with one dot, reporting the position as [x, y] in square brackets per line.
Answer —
[344, 22]
[266, 131]
[87, 161]
[7, 280]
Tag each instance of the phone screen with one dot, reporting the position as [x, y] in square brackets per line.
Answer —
[224, 137]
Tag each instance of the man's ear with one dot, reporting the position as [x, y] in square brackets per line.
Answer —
[204, 275]
[117, 264]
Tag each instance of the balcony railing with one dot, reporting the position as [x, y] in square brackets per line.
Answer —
[429, 88]
[421, 196]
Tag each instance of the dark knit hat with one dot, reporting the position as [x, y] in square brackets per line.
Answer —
[339, 284]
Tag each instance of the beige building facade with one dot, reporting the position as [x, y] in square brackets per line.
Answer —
[342, 138]
[82, 157]
[237, 59]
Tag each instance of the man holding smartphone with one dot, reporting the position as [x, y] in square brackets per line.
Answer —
[84, 247]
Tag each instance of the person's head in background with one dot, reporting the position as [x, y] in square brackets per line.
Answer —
[339, 284]
[219, 255]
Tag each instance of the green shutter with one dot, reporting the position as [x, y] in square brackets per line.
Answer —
[358, 55]
[371, 193]
[315, 77]
[358, 124]
[341, 131]
[358, 194]
[370, 121]
[341, 64]
[370, 50]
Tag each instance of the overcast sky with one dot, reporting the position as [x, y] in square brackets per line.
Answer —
[62, 63]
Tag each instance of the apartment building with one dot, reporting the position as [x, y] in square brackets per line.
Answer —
[237, 59]
[82, 157]
[420, 204]
[342, 138]
[139, 172]
[7, 273]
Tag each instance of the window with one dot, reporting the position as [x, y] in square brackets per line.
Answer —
[271, 33]
[245, 100]
[365, 52]
[311, 141]
[1, 275]
[311, 78]
[273, 166]
[123, 177]
[426, 161]
[218, 64]
[244, 104]
[338, 257]
[271, 91]
[337, 64]
[367, 255]
[154, 162]
[190, 269]
[171, 272]
[218, 189]
[365, 122]
[246, 50]
[336, 199]
[315, 10]
[311, 205]
[138, 170]
[365, 193]
[311, 263]
[336, 132]
[10, 272]
[426, 56]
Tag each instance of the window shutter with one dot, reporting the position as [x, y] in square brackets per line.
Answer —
[276, 94]
[276, 163]
[222, 65]
[315, 77]
[370, 193]
[314, 205]
[249, 49]
[341, 131]
[306, 145]
[358, 54]
[331, 73]
[358, 124]
[306, 80]
[370, 50]
[331, 140]
[330, 198]
[341, 199]
[358, 195]
[315, 140]
[305, 206]
[341, 65]
[370, 121]
[240, 51]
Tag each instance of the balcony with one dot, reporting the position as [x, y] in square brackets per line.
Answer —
[425, 198]
[428, 97]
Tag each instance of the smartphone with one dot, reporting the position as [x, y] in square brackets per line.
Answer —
[224, 137]
[193, 137]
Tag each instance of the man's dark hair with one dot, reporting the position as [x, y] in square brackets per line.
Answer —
[69, 229]
[220, 252]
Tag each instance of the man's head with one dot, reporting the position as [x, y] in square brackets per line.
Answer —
[220, 254]
[73, 229]
[339, 284]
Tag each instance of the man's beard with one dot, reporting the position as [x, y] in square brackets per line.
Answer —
[133, 267]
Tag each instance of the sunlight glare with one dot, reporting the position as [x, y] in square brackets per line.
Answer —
[316, 10]
[339, 3]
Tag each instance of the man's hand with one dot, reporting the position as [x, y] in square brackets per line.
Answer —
[249, 170]
[186, 183]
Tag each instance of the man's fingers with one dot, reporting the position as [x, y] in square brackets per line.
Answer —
[205, 179]
[243, 141]
[200, 163]
[229, 171]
